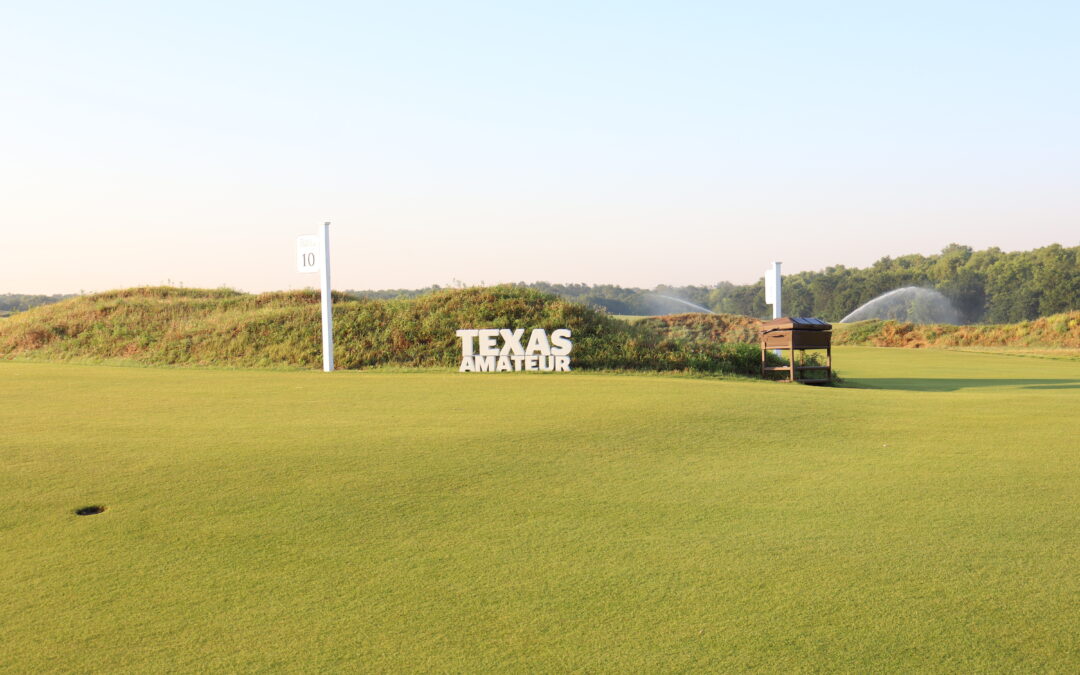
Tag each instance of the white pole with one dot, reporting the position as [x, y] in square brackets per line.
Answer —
[772, 283]
[327, 304]
[777, 312]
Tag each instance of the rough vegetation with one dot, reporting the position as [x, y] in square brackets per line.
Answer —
[175, 326]
[171, 326]
[1059, 330]
[705, 327]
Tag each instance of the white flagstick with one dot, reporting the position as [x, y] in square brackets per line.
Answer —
[327, 304]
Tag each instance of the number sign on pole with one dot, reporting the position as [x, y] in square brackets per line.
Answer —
[307, 253]
[313, 255]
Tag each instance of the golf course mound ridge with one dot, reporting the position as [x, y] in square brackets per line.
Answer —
[706, 327]
[222, 327]
[1058, 330]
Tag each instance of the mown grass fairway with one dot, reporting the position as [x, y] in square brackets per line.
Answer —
[926, 516]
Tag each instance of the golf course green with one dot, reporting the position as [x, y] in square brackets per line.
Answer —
[922, 516]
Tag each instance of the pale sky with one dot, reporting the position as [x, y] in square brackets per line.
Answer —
[602, 142]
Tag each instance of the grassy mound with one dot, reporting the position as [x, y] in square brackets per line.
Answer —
[1059, 330]
[173, 326]
[706, 327]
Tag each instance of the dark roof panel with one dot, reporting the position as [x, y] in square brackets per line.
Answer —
[796, 323]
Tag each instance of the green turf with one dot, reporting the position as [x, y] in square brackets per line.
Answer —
[923, 517]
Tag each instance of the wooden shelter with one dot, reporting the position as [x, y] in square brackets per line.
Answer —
[797, 333]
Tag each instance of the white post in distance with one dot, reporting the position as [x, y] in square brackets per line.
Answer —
[313, 255]
[773, 292]
[327, 305]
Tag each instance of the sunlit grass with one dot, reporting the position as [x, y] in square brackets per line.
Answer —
[924, 516]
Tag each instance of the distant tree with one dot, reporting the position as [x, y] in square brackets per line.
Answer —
[19, 302]
[984, 286]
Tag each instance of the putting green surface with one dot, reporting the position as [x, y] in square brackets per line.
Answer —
[924, 516]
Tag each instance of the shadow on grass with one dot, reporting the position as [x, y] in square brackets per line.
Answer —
[955, 384]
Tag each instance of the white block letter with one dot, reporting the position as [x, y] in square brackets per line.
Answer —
[466, 335]
[560, 342]
[511, 341]
[488, 346]
[538, 343]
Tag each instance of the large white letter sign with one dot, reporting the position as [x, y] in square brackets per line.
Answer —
[481, 352]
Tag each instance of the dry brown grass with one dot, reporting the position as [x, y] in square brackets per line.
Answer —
[707, 327]
[1054, 332]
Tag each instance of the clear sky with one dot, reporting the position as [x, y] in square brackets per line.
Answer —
[624, 142]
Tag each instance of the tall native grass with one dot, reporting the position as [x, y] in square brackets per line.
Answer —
[1056, 331]
[173, 326]
[1059, 330]
[222, 327]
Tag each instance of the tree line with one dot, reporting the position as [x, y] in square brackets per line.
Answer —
[20, 302]
[986, 286]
